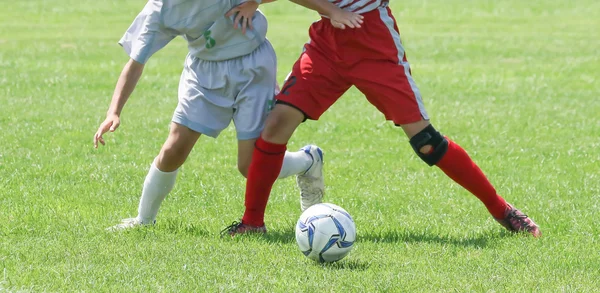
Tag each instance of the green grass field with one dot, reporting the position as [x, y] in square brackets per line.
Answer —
[516, 83]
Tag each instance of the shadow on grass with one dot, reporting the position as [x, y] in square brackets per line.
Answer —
[403, 236]
[345, 264]
[179, 227]
[281, 236]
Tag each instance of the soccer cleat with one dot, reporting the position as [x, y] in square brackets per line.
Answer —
[311, 182]
[241, 228]
[129, 224]
[516, 221]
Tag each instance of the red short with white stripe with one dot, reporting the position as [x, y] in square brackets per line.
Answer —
[371, 58]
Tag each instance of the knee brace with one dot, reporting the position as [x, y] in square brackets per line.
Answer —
[430, 137]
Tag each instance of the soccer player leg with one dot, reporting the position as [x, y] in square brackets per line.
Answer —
[162, 175]
[396, 95]
[252, 106]
[163, 171]
[295, 103]
[306, 164]
[453, 160]
[195, 115]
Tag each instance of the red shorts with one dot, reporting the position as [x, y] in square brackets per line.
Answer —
[371, 58]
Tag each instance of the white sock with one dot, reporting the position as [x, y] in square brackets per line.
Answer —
[157, 186]
[295, 163]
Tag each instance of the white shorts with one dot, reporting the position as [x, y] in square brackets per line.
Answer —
[212, 93]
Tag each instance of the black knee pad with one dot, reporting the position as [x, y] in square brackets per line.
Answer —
[430, 136]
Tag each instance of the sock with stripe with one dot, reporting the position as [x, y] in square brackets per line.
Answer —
[267, 160]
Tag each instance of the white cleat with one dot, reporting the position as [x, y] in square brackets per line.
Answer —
[311, 183]
[128, 224]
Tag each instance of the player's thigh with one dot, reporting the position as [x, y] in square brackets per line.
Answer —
[313, 85]
[391, 89]
[204, 105]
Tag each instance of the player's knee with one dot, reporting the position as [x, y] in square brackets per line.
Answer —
[171, 152]
[281, 124]
[272, 121]
[171, 157]
[429, 145]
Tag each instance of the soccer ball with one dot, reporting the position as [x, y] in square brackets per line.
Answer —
[325, 232]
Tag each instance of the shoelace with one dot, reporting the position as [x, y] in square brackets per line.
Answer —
[231, 228]
[521, 219]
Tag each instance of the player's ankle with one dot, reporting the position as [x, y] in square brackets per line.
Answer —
[253, 219]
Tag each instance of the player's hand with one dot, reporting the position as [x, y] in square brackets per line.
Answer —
[111, 123]
[342, 19]
[243, 14]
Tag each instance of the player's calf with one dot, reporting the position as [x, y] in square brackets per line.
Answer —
[429, 145]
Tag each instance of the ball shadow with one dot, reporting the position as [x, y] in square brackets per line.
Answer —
[345, 264]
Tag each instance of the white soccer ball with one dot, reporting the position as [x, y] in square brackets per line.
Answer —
[325, 232]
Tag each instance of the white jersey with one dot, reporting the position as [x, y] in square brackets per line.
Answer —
[359, 6]
[210, 35]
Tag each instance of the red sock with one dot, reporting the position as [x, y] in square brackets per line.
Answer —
[457, 164]
[267, 159]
